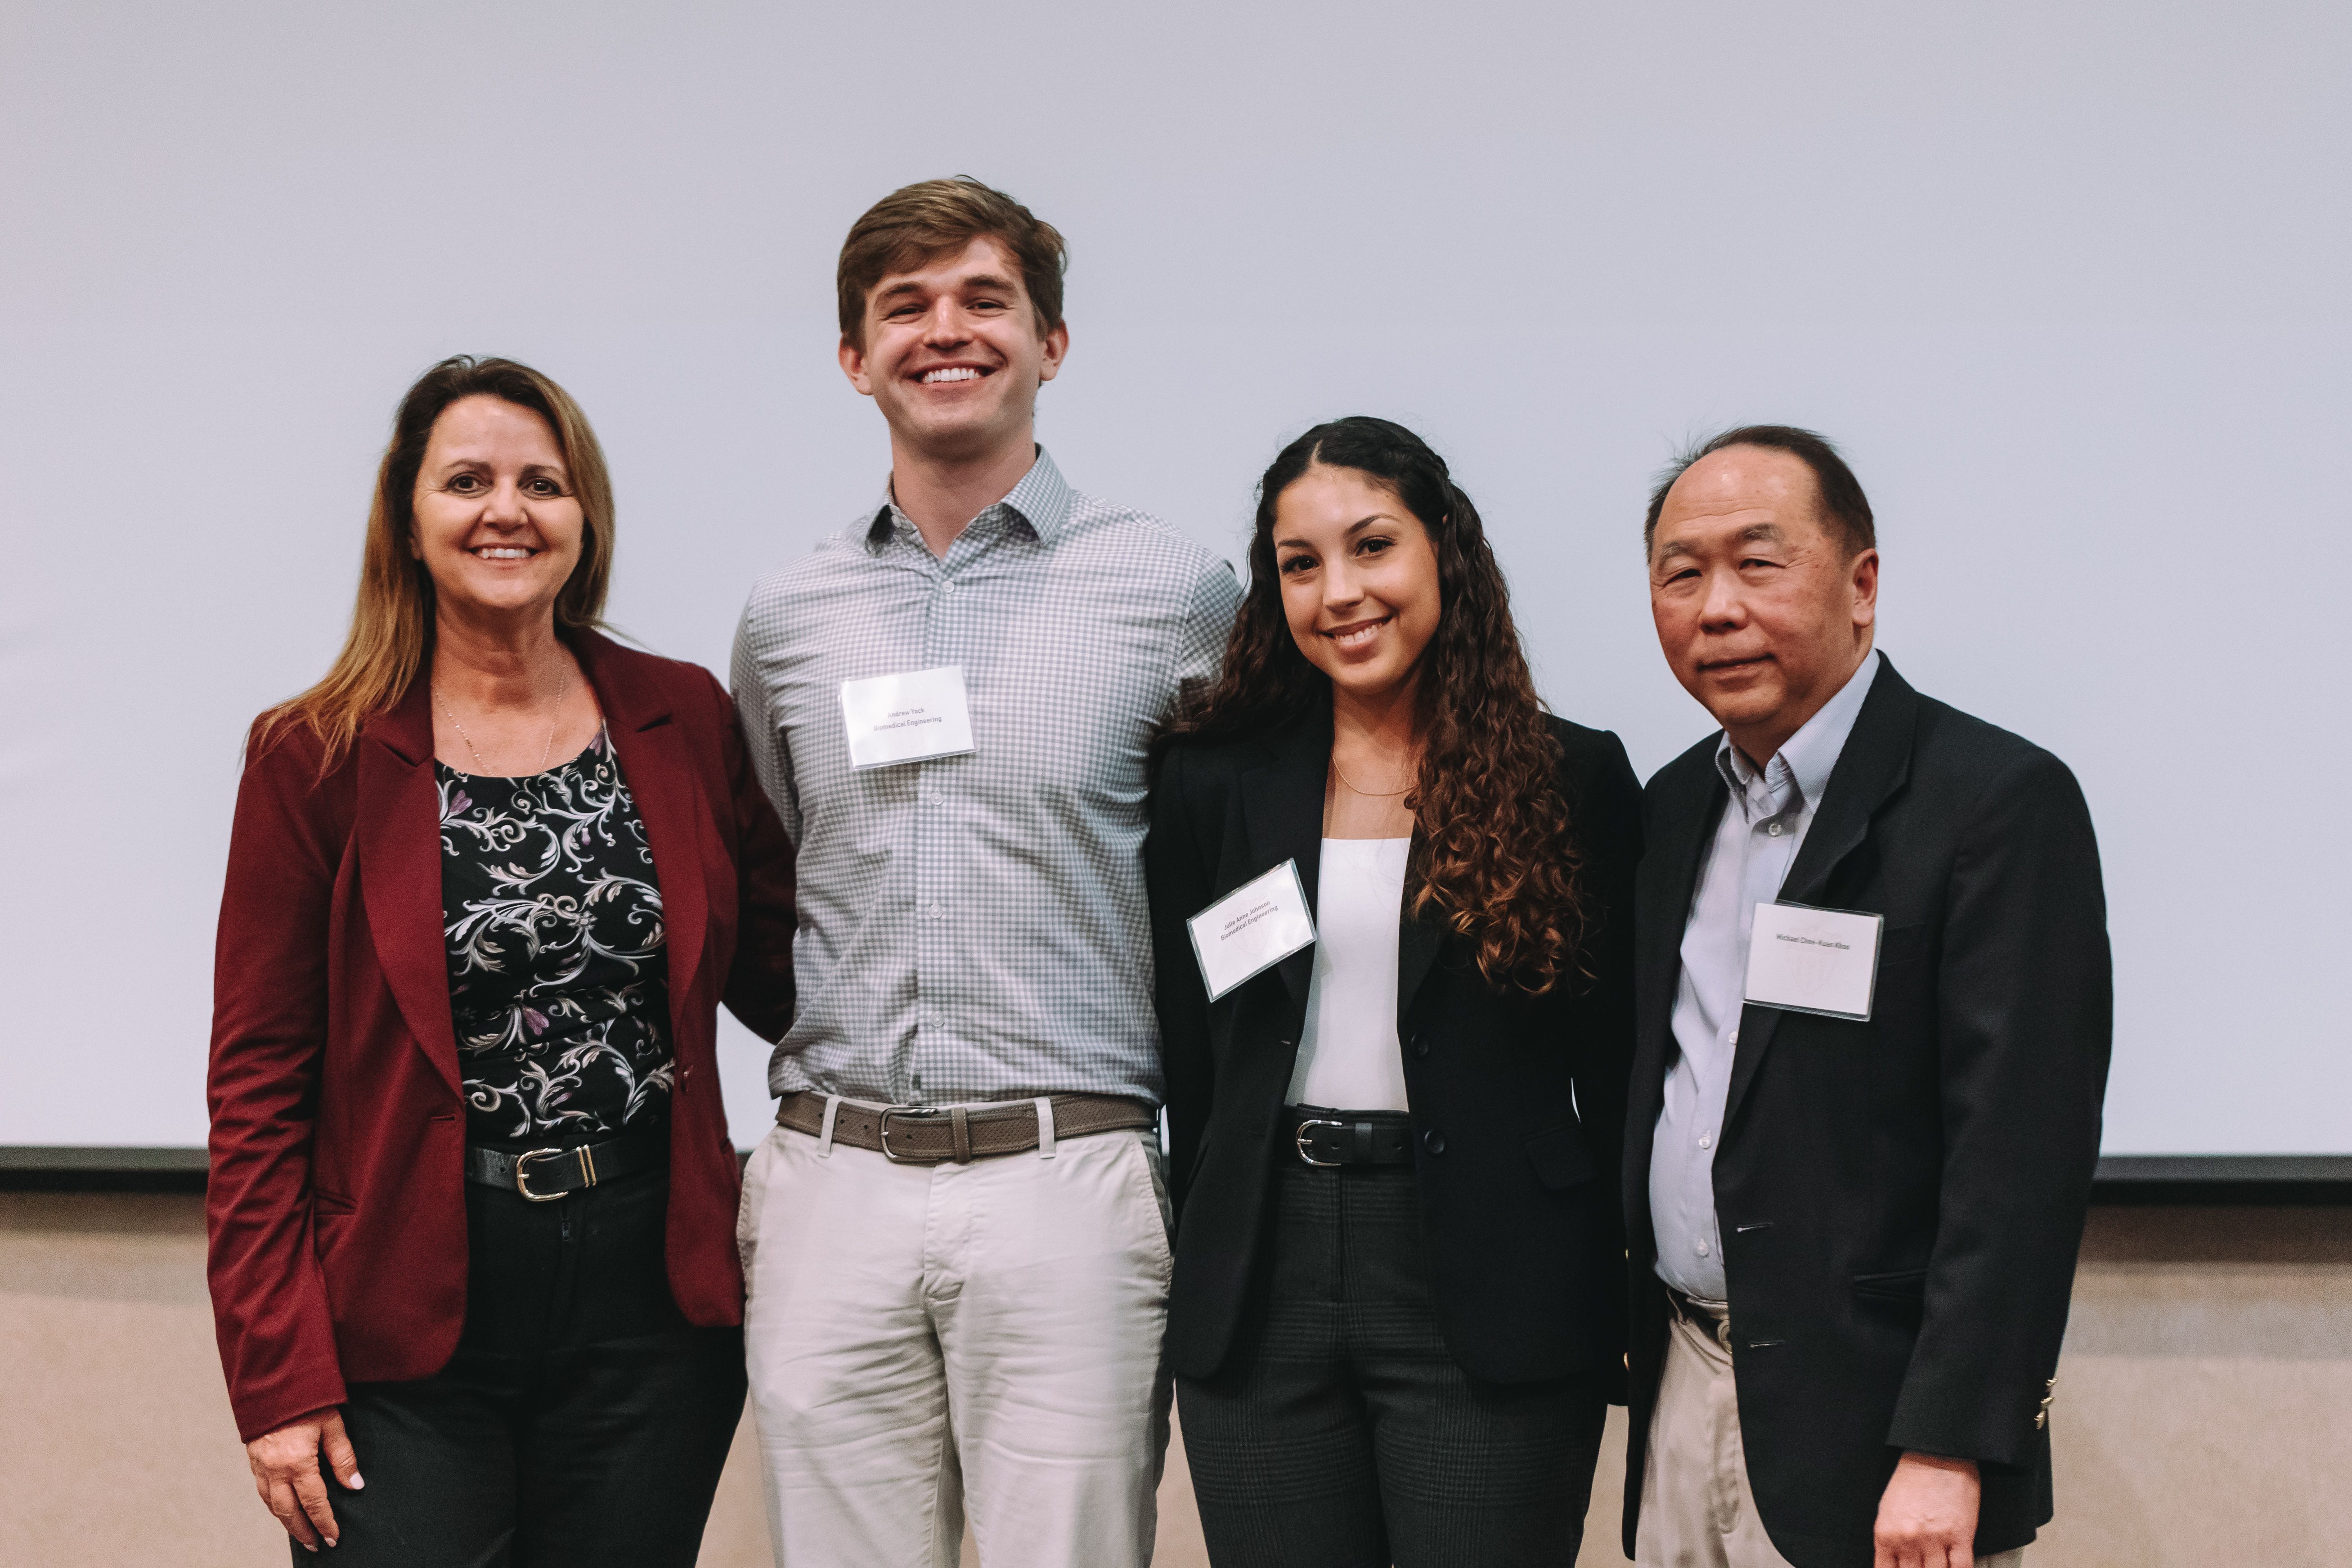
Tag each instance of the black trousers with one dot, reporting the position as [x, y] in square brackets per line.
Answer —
[582, 1421]
[1341, 1434]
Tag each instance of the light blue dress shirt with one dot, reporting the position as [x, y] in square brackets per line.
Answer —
[975, 927]
[1763, 824]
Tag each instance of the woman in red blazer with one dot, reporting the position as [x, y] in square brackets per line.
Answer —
[472, 1198]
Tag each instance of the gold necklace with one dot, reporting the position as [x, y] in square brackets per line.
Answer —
[1367, 793]
[544, 751]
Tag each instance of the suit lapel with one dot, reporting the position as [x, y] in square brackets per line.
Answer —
[1419, 938]
[399, 834]
[651, 748]
[1875, 764]
[1282, 808]
[1688, 799]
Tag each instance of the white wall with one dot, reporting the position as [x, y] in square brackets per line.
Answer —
[2067, 283]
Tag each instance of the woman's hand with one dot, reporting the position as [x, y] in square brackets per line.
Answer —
[286, 1472]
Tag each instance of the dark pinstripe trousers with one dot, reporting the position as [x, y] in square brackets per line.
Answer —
[1341, 1434]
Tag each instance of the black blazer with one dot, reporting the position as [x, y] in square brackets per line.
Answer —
[1901, 1200]
[1517, 1194]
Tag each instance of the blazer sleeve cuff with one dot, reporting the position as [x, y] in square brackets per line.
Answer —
[265, 1408]
[1997, 1422]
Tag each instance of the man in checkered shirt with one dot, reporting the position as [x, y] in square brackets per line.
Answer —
[955, 1240]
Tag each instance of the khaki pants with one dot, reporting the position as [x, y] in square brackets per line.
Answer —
[1697, 1510]
[919, 1334]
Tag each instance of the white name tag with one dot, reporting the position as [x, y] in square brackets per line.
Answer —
[1256, 925]
[896, 719]
[1813, 960]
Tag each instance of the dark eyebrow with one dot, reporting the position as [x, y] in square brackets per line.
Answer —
[907, 287]
[1754, 534]
[1354, 529]
[556, 469]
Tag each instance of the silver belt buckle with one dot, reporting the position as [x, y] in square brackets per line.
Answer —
[883, 1134]
[522, 1171]
[1298, 1140]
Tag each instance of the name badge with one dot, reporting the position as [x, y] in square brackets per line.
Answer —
[895, 719]
[1813, 960]
[1251, 929]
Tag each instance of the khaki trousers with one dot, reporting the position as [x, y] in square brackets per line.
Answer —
[1697, 1510]
[918, 1335]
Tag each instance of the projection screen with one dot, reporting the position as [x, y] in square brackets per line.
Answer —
[2066, 283]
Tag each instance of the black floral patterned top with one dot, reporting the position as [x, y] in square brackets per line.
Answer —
[557, 978]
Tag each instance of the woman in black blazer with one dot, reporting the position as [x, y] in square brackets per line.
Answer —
[1398, 1308]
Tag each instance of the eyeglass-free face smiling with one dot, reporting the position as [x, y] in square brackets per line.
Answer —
[1761, 613]
[952, 353]
[1359, 579]
[496, 522]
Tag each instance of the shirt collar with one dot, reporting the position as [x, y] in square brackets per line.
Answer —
[1041, 500]
[1807, 758]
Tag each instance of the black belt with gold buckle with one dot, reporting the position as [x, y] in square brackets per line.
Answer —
[543, 1175]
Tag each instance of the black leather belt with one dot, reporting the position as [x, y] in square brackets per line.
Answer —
[1327, 1138]
[541, 1174]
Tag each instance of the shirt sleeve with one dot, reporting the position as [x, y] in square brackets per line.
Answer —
[763, 737]
[1207, 622]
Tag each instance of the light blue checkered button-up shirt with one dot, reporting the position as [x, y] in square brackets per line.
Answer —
[974, 927]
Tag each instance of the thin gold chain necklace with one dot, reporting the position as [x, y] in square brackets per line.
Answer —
[1367, 793]
[544, 751]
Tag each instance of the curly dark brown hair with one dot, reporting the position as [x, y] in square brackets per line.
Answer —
[1494, 854]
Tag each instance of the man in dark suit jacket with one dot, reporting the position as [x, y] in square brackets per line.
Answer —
[1852, 1230]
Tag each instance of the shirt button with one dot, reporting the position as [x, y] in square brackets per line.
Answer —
[1730, 1037]
[1702, 1248]
[1707, 1140]
[935, 911]
[1773, 829]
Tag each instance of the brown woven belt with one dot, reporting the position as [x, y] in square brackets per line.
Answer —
[936, 1135]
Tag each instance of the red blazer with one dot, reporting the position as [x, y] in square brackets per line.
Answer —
[336, 1208]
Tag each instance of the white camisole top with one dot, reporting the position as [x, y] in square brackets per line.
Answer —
[1348, 1058]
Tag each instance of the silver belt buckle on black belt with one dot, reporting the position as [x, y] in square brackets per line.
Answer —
[1298, 1139]
[522, 1171]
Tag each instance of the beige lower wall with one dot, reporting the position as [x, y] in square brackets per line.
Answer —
[2204, 1411]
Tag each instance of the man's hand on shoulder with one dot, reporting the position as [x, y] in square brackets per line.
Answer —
[1927, 1516]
